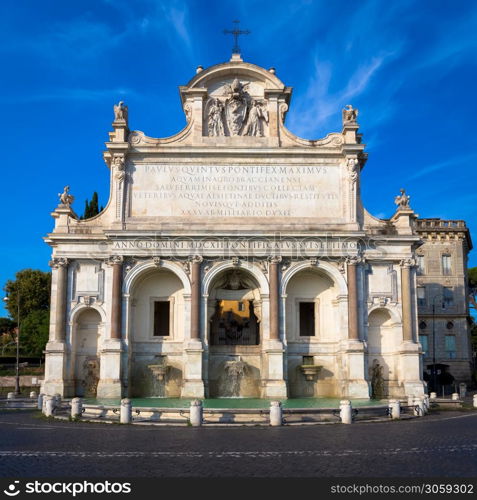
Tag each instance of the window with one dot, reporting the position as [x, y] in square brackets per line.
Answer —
[421, 296]
[424, 340]
[307, 319]
[448, 294]
[420, 264]
[241, 306]
[450, 346]
[446, 264]
[161, 318]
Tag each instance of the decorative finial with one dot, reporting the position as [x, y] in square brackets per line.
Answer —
[236, 32]
[65, 197]
[402, 201]
[121, 112]
[350, 115]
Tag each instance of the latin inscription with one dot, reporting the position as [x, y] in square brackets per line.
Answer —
[235, 191]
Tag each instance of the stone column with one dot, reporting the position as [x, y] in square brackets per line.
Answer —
[116, 298]
[61, 266]
[56, 351]
[274, 298]
[353, 318]
[353, 351]
[410, 360]
[195, 299]
[109, 385]
[193, 385]
[275, 386]
[406, 300]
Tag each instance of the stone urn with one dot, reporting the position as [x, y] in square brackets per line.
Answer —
[159, 371]
[310, 371]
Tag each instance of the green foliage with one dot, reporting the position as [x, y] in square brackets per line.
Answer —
[29, 292]
[7, 325]
[473, 277]
[91, 207]
[34, 333]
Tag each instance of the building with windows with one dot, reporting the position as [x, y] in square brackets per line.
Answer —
[236, 259]
[442, 297]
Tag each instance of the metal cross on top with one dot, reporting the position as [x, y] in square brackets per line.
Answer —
[236, 32]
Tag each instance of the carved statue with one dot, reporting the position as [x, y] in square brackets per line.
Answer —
[118, 163]
[215, 119]
[257, 116]
[120, 112]
[377, 381]
[236, 106]
[65, 197]
[350, 114]
[402, 200]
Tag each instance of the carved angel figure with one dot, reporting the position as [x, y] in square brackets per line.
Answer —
[402, 200]
[65, 197]
[215, 119]
[120, 112]
[350, 114]
[256, 119]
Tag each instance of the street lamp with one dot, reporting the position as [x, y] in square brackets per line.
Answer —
[17, 365]
[434, 371]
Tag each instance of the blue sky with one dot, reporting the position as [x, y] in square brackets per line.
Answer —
[409, 66]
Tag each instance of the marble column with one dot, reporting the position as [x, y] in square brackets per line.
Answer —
[354, 349]
[275, 386]
[406, 298]
[274, 299]
[353, 318]
[193, 384]
[116, 298]
[56, 377]
[410, 360]
[109, 385]
[61, 266]
[195, 299]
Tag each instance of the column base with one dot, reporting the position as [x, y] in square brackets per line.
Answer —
[109, 388]
[193, 389]
[275, 389]
[357, 389]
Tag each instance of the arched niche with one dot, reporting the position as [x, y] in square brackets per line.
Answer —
[86, 332]
[234, 309]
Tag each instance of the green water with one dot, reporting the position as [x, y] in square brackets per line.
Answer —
[236, 402]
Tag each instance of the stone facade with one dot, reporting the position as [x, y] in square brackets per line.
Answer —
[442, 297]
[234, 259]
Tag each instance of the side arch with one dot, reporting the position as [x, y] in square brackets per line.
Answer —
[327, 269]
[139, 270]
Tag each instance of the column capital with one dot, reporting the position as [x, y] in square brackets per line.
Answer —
[196, 259]
[411, 262]
[114, 260]
[275, 259]
[58, 262]
[354, 260]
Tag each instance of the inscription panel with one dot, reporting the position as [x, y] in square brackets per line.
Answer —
[294, 191]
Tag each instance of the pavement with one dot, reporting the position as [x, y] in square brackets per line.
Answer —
[443, 444]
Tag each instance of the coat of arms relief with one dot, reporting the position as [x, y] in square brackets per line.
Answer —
[236, 112]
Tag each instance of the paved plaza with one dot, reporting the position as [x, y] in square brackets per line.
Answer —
[441, 445]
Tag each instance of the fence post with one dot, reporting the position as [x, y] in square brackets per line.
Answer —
[40, 401]
[418, 407]
[433, 395]
[125, 416]
[346, 411]
[11, 395]
[49, 406]
[32, 395]
[475, 400]
[196, 413]
[455, 396]
[76, 408]
[395, 407]
[276, 413]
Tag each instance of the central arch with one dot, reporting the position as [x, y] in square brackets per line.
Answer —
[234, 331]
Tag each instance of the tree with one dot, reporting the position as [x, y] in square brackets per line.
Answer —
[91, 207]
[32, 288]
[34, 332]
[472, 273]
